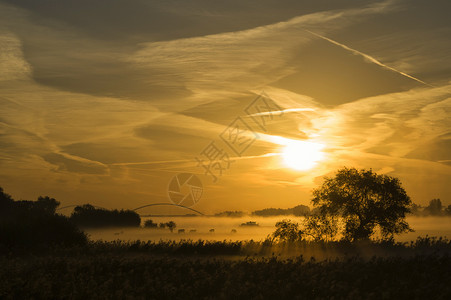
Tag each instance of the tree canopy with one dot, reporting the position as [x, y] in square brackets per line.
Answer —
[366, 201]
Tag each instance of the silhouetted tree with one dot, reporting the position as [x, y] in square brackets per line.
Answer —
[321, 227]
[365, 200]
[29, 223]
[448, 210]
[6, 201]
[46, 204]
[171, 225]
[288, 231]
[150, 224]
[90, 216]
[434, 208]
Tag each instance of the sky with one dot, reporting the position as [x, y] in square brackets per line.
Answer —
[106, 101]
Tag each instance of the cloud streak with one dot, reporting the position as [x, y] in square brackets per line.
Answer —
[369, 58]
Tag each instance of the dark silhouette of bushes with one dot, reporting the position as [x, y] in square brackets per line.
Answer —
[90, 216]
[300, 210]
[31, 223]
[230, 214]
[112, 275]
[150, 224]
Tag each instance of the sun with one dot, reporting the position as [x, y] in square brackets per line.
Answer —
[302, 155]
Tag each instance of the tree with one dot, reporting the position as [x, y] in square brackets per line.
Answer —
[288, 231]
[365, 201]
[150, 224]
[321, 227]
[171, 225]
[415, 209]
[47, 205]
[5, 201]
[434, 208]
[448, 210]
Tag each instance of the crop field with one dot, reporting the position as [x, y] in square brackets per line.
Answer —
[230, 270]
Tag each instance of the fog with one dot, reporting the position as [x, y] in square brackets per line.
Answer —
[432, 226]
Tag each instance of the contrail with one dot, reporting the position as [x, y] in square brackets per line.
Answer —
[370, 58]
[188, 160]
[288, 110]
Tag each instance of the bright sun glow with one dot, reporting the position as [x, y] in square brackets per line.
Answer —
[301, 155]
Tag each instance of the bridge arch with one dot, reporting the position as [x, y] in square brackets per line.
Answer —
[168, 204]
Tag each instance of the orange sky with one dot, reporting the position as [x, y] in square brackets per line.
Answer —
[106, 103]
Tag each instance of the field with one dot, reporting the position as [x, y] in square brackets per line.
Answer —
[230, 270]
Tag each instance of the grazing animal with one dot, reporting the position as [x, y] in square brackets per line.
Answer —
[181, 231]
[233, 230]
[192, 230]
[212, 230]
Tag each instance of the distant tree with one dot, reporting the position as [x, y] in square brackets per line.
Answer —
[171, 225]
[300, 210]
[434, 208]
[150, 224]
[162, 225]
[365, 201]
[250, 223]
[448, 210]
[416, 209]
[230, 214]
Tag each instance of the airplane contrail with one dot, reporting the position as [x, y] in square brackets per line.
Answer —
[368, 57]
[288, 110]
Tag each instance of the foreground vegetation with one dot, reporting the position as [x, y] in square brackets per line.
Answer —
[230, 270]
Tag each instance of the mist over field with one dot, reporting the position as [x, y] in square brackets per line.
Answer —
[431, 226]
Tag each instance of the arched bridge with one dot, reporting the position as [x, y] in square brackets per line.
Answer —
[141, 207]
[168, 204]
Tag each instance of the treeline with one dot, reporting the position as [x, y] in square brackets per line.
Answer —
[32, 223]
[435, 208]
[25, 223]
[89, 216]
[300, 210]
[231, 214]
